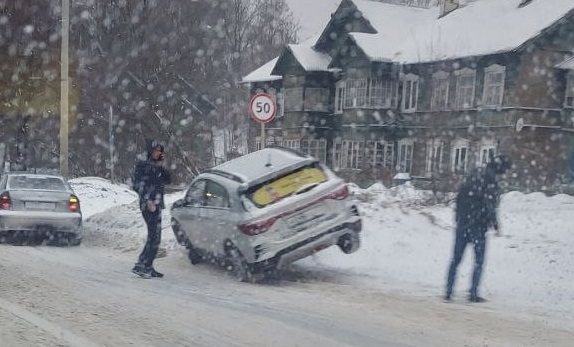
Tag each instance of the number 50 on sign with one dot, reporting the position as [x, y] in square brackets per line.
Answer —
[263, 108]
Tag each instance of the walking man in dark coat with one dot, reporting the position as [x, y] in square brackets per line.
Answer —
[150, 178]
[476, 208]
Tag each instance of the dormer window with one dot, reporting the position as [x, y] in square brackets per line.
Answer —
[494, 76]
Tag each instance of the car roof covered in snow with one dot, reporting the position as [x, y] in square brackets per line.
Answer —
[259, 166]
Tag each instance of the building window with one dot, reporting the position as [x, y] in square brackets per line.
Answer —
[459, 156]
[348, 154]
[339, 97]
[569, 99]
[356, 93]
[382, 93]
[379, 154]
[487, 152]
[440, 84]
[493, 86]
[405, 156]
[294, 144]
[293, 99]
[410, 92]
[434, 157]
[465, 82]
[315, 148]
[317, 99]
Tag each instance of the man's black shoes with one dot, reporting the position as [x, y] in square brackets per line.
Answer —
[142, 272]
[155, 273]
[476, 299]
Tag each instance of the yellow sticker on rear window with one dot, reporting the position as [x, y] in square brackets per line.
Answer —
[287, 185]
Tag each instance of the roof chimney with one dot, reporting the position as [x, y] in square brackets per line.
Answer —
[447, 6]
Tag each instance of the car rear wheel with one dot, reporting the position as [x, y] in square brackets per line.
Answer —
[237, 265]
[194, 256]
[349, 243]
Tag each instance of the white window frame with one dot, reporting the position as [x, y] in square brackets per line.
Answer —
[435, 156]
[464, 100]
[382, 93]
[411, 92]
[294, 144]
[440, 90]
[379, 154]
[356, 93]
[569, 93]
[405, 155]
[315, 148]
[349, 154]
[460, 148]
[339, 97]
[491, 89]
[487, 147]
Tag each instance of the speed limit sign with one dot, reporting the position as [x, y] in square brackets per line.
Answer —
[263, 108]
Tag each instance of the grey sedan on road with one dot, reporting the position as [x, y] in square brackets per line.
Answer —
[37, 208]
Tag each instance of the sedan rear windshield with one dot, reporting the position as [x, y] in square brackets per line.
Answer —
[33, 182]
[279, 187]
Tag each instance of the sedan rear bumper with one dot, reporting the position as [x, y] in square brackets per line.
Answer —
[68, 222]
[308, 247]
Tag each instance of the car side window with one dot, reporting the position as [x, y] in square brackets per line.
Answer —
[216, 195]
[196, 194]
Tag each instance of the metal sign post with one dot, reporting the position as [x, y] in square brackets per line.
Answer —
[263, 109]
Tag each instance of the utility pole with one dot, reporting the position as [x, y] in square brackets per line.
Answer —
[64, 107]
[111, 140]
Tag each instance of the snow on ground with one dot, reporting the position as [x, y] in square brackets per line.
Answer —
[406, 245]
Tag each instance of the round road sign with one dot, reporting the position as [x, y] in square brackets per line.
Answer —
[263, 108]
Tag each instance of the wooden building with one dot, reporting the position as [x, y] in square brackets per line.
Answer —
[431, 92]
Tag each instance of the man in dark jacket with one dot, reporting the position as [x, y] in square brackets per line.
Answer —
[150, 178]
[476, 205]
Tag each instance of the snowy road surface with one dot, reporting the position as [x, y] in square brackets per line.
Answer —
[86, 296]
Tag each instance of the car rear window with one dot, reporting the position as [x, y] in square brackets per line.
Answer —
[280, 187]
[32, 182]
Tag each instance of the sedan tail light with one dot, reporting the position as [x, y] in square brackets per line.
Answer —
[74, 204]
[256, 228]
[339, 194]
[5, 201]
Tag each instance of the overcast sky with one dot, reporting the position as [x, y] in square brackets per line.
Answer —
[313, 15]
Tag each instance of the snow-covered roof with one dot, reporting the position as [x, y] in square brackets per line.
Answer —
[412, 35]
[567, 64]
[263, 73]
[309, 58]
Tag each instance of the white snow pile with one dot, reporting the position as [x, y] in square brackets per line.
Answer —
[406, 245]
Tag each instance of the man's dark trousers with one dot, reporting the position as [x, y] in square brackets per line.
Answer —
[153, 222]
[465, 235]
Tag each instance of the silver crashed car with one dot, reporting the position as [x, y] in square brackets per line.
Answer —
[39, 207]
[264, 210]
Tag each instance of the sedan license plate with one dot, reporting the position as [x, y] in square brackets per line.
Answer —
[302, 220]
[38, 205]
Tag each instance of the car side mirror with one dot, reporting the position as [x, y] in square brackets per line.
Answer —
[178, 203]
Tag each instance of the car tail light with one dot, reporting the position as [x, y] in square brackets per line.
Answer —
[5, 201]
[74, 204]
[256, 228]
[340, 194]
